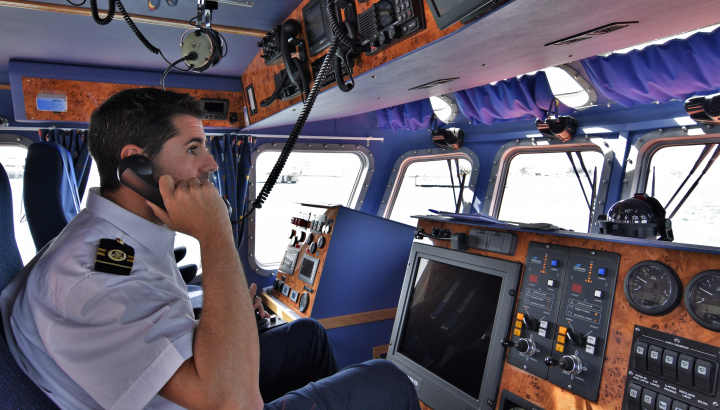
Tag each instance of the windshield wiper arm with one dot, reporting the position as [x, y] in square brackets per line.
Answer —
[715, 155]
[703, 154]
[569, 155]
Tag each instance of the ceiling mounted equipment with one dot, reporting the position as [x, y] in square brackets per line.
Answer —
[608, 28]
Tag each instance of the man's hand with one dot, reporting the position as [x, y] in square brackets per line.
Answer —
[257, 302]
[192, 207]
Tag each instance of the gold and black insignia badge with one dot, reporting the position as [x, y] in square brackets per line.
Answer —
[113, 256]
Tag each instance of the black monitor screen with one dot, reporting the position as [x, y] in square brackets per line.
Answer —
[449, 323]
[214, 107]
[443, 6]
[314, 25]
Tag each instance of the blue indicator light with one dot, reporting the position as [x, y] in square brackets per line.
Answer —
[554, 263]
[601, 271]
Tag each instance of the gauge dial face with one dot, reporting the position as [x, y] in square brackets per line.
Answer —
[703, 299]
[652, 288]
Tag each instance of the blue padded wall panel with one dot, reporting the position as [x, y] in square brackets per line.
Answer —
[365, 265]
[354, 344]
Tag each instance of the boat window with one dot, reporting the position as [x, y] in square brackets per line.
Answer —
[552, 187]
[565, 88]
[432, 184]
[12, 158]
[444, 107]
[326, 178]
[670, 171]
[568, 86]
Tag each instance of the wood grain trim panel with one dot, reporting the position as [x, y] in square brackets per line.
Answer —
[4, 86]
[280, 310]
[84, 96]
[612, 384]
[262, 76]
[358, 318]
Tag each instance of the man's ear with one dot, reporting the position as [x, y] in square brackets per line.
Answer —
[130, 149]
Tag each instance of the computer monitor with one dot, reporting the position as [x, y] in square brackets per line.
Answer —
[448, 12]
[317, 26]
[454, 309]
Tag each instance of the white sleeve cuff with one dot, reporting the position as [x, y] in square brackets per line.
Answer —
[157, 374]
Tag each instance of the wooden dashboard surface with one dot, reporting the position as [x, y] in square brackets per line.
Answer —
[262, 77]
[678, 322]
[84, 96]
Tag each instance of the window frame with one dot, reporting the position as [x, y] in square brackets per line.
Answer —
[637, 167]
[509, 150]
[420, 155]
[356, 198]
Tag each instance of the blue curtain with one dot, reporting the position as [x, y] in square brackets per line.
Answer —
[413, 115]
[677, 69]
[510, 100]
[74, 142]
[233, 154]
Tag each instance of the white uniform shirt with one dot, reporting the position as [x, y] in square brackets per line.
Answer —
[95, 340]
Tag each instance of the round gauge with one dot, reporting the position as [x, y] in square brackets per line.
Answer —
[652, 288]
[702, 299]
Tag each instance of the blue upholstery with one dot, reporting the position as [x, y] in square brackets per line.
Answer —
[50, 190]
[17, 391]
[10, 261]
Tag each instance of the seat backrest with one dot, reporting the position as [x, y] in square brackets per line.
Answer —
[17, 391]
[10, 261]
[50, 191]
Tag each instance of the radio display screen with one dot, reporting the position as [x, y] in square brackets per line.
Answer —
[449, 322]
[314, 25]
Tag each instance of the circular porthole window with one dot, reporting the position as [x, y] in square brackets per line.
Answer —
[445, 108]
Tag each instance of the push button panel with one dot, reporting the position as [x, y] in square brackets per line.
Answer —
[537, 305]
[585, 309]
[683, 372]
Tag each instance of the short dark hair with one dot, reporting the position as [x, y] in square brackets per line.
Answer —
[140, 116]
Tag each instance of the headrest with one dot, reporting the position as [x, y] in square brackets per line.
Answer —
[50, 191]
[10, 261]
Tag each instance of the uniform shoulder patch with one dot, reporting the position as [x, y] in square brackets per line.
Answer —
[113, 256]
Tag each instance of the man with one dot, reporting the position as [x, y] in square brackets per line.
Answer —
[102, 319]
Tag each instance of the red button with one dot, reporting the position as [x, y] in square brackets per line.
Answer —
[533, 278]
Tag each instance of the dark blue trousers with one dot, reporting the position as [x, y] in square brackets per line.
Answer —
[298, 372]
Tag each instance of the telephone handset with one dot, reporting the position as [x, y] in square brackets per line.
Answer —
[293, 66]
[136, 173]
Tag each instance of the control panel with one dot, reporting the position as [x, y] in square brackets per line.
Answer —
[667, 372]
[390, 21]
[296, 281]
[270, 46]
[535, 322]
[563, 315]
[583, 321]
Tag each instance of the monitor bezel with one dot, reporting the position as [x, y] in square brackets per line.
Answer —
[464, 12]
[431, 389]
[323, 41]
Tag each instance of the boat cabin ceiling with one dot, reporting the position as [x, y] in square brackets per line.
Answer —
[507, 42]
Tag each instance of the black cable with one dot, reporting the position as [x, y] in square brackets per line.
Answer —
[284, 80]
[295, 133]
[76, 4]
[304, 80]
[191, 56]
[110, 13]
[223, 45]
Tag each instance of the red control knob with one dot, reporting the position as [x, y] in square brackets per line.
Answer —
[299, 222]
